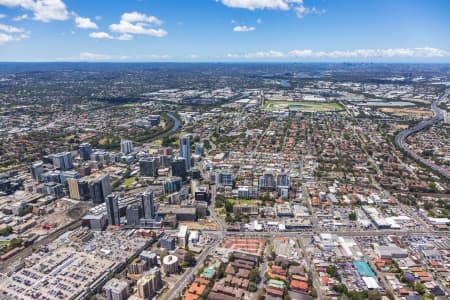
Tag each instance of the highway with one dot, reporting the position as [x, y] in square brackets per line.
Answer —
[400, 138]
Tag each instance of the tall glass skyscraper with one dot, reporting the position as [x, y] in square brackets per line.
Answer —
[185, 150]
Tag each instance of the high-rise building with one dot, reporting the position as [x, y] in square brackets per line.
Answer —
[149, 284]
[179, 167]
[115, 289]
[283, 180]
[126, 146]
[112, 209]
[224, 178]
[185, 150]
[199, 149]
[148, 166]
[63, 161]
[74, 192]
[172, 185]
[54, 189]
[85, 150]
[36, 170]
[167, 242]
[267, 181]
[99, 188]
[148, 204]
[133, 213]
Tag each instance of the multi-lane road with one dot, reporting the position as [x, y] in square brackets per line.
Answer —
[400, 139]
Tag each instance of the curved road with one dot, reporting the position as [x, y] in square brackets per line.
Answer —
[400, 139]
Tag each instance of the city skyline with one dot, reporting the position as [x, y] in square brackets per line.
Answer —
[225, 31]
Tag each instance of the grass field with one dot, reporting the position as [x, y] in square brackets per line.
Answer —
[302, 106]
[244, 201]
[127, 182]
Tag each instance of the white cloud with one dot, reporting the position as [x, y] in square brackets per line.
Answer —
[139, 17]
[96, 56]
[372, 53]
[243, 28]
[85, 23]
[297, 5]
[107, 36]
[258, 4]
[101, 35]
[20, 18]
[10, 29]
[43, 10]
[137, 23]
[260, 54]
[425, 52]
[10, 33]
[259, 21]
[2, 16]
[98, 18]
[302, 11]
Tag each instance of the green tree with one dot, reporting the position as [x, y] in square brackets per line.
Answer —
[189, 258]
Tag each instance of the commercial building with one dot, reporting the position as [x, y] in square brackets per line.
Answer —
[134, 214]
[36, 170]
[148, 166]
[179, 167]
[85, 150]
[224, 178]
[172, 185]
[112, 209]
[185, 150]
[63, 161]
[182, 236]
[115, 289]
[167, 242]
[149, 284]
[170, 264]
[148, 204]
[126, 146]
[99, 188]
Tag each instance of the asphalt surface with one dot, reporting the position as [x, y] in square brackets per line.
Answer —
[400, 139]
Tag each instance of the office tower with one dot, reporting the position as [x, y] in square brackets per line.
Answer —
[133, 213]
[149, 257]
[283, 180]
[148, 205]
[36, 170]
[74, 192]
[164, 161]
[99, 188]
[126, 146]
[185, 150]
[199, 149]
[115, 289]
[83, 190]
[149, 284]
[267, 181]
[167, 242]
[112, 209]
[63, 161]
[147, 166]
[179, 168]
[85, 150]
[224, 178]
[54, 189]
[172, 185]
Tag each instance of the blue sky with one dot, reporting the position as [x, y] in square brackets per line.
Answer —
[225, 30]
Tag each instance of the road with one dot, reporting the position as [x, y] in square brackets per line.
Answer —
[188, 276]
[400, 138]
[312, 271]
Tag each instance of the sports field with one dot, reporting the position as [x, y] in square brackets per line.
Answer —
[302, 106]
